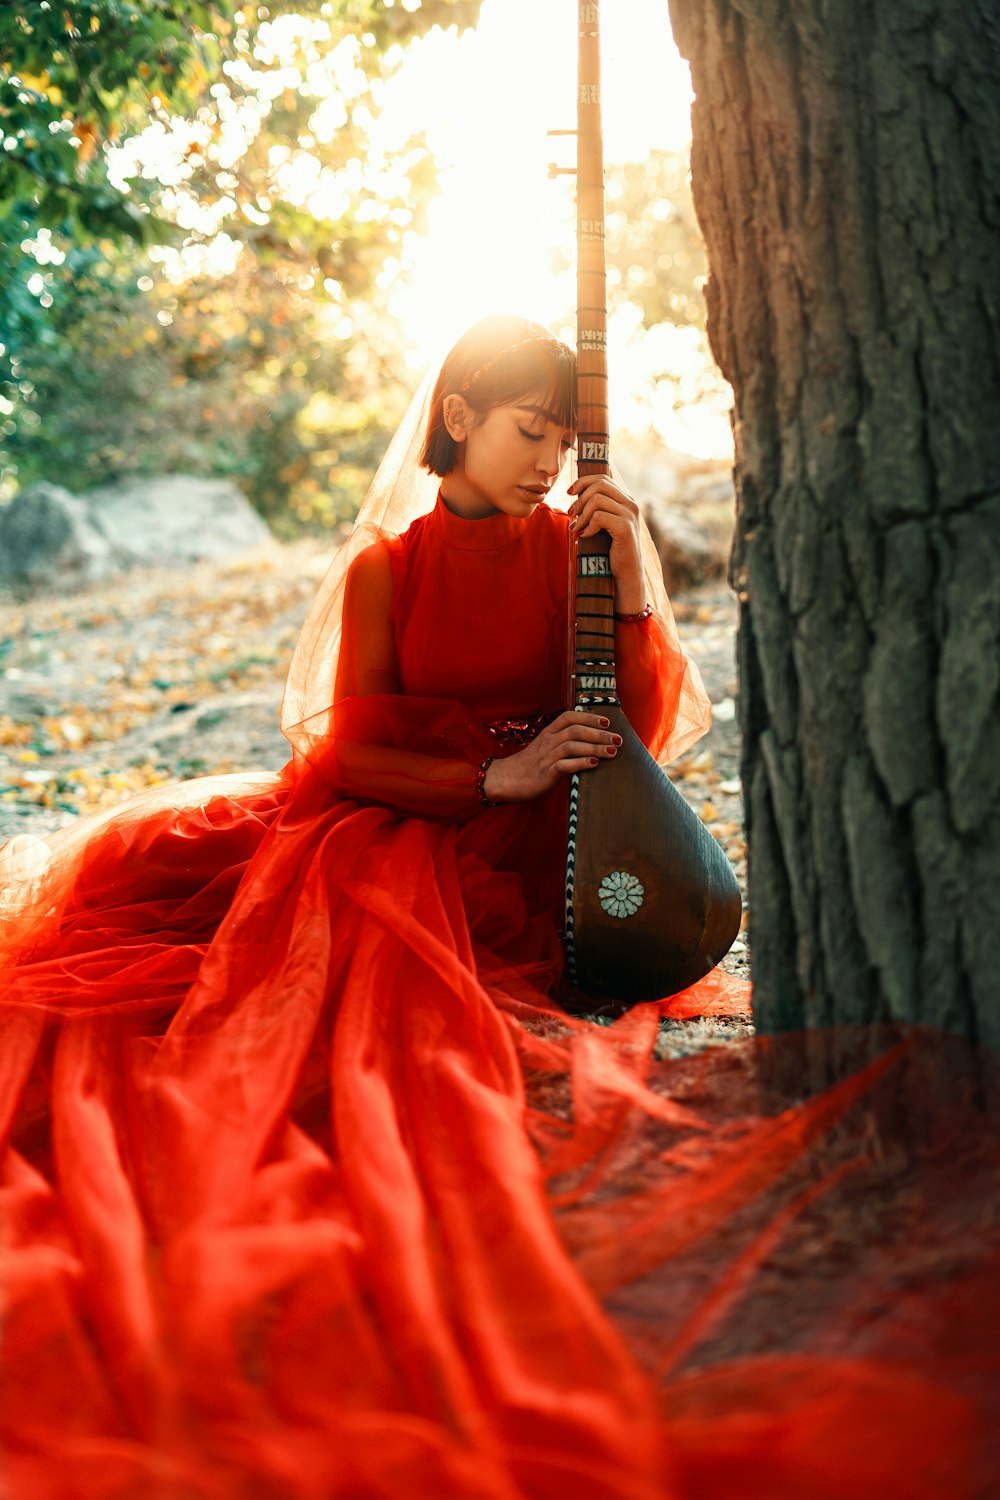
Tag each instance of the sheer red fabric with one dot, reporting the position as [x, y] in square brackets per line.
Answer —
[310, 1189]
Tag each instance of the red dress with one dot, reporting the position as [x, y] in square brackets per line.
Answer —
[309, 1191]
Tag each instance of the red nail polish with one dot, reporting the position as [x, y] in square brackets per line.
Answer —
[593, 760]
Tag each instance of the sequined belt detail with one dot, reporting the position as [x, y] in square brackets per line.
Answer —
[519, 731]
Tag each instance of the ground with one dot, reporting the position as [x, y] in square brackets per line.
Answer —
[169, 674]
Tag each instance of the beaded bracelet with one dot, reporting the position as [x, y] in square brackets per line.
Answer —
[643, 614]
[481, 782]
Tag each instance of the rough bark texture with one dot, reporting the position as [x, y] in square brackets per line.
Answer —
[846, 170]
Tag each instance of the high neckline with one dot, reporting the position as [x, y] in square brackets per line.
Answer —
[484, 534]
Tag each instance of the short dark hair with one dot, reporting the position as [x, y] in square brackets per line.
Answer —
[496, 361]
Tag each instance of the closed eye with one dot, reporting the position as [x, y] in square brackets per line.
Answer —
[536, 437]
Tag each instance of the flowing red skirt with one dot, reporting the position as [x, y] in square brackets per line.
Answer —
[310, 1190]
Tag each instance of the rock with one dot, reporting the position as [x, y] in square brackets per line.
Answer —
[175, 519]
[24, 705]
[710, 490]
[647, 466]
[238, 727]
[48, 539]
[688, 509]
[687, 552]
[53, 540]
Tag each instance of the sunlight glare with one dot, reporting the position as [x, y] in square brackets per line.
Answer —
[501, 231]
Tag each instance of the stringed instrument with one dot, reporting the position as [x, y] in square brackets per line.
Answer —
[652, 902]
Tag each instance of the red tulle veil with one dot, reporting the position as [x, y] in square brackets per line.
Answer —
[310, 1190]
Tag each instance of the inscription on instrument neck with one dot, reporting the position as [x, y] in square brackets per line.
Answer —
[595, 453]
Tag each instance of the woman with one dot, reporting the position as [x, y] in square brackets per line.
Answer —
[451, 679]
[310, 1188]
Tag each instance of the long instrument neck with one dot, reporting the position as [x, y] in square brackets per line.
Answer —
[593, 643]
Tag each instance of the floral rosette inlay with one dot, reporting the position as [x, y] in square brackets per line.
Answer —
[621, 894]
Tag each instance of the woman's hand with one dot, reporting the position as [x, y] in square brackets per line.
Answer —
[573, 742]
[601, 506]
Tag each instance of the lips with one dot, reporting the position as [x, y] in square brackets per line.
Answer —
[539, 491]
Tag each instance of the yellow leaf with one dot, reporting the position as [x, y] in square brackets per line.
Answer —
[709, 812]
[28, 756]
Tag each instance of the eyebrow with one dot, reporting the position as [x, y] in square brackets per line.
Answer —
[543, 411]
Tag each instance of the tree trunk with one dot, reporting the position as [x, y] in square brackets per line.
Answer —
[846, 172]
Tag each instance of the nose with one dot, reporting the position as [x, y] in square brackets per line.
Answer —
[550, 457]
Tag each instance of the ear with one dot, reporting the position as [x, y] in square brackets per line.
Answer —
[459, 418]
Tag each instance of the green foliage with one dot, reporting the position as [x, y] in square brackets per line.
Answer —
[113, 363]
[75, 74]
[237, 376]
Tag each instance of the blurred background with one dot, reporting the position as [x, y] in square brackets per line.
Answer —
[235, 238]
[232, 241]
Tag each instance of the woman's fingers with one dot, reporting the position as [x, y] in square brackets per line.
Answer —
[594, 736]
[577, 763]
[598, 484]
[586, 742]
[573, 742]
[585, 747]
[577, 721]
[602, 497]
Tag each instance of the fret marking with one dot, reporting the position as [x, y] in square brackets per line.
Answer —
[590, 93]
[595, 453]
[574, 812]
[594, 565]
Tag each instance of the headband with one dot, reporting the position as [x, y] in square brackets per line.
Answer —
[545, 339]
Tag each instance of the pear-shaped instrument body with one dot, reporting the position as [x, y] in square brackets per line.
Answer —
[652, 902]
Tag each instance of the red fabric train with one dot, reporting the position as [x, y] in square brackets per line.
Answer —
[310, 1189]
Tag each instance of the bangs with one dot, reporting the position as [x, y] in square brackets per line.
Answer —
[539, 370]
[499, 361]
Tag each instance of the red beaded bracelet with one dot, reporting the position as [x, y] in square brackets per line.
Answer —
[481, 782]
[643, 614]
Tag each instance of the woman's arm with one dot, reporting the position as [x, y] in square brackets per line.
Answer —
[423, 755]
[420, 756]
[649, 673]
[659, 688]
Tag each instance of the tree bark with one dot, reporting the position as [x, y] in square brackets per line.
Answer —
[846, 173]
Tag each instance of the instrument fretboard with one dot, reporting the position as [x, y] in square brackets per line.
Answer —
[594, 627]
